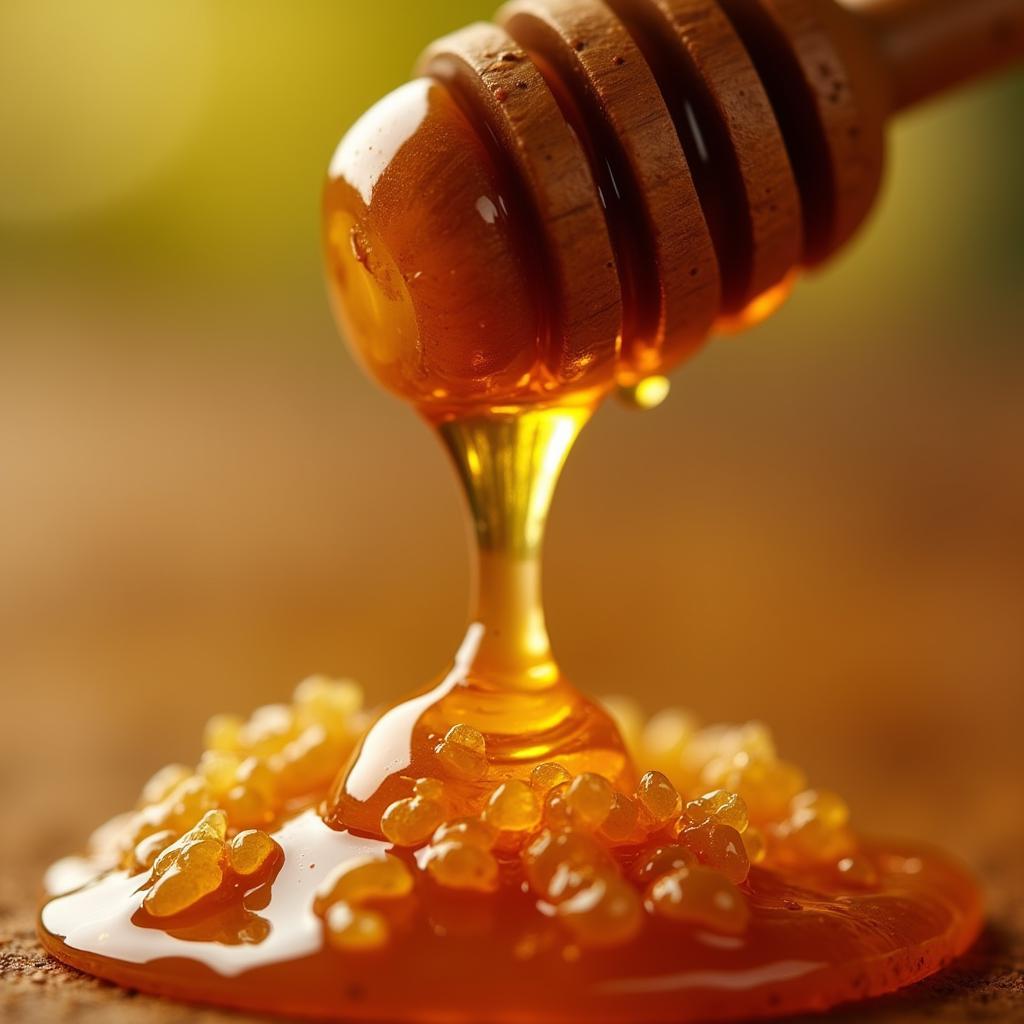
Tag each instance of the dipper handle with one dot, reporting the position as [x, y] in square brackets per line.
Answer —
[933, 45]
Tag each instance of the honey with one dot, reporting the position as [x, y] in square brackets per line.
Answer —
[498, 847]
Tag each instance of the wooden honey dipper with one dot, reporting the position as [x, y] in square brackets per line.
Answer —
[578, 195]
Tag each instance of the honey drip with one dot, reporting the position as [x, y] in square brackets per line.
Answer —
[498, 847]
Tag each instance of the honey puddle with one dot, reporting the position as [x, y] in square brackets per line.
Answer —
[499, 847]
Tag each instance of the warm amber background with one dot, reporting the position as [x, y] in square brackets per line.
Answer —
[201, 499]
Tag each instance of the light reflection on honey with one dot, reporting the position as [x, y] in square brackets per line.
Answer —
[762, 308]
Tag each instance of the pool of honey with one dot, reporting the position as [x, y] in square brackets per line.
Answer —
[810, 944]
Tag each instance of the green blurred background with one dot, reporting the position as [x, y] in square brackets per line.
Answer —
[202, 500]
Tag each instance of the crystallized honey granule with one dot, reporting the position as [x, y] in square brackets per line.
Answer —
[597, 859]
[185, 871]
[456, 863]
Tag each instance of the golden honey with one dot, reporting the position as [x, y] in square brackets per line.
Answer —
[497, 847]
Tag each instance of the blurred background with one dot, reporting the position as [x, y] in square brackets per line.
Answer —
[202, 500]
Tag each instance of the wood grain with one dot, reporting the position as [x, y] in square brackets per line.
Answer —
[486, 67]
[664, 252]
[747, 186]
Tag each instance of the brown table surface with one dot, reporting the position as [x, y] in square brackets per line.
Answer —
[186, 541]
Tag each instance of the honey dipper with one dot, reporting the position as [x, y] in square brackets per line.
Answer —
[579, 194]
[570, 201]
